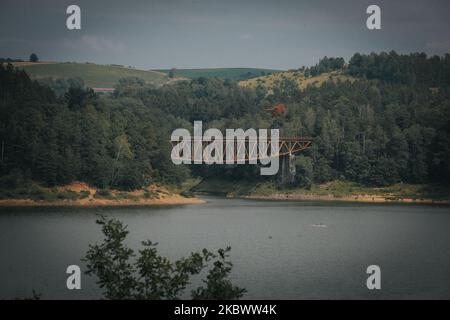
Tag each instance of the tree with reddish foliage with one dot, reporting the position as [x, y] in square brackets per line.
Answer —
[278, 109]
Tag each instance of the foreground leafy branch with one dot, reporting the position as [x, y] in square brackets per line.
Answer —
[124, 275]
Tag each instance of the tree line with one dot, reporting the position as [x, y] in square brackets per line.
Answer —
[412, 69]
[391, 124]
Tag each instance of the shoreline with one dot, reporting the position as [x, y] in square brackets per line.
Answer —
[336, 190]
[79, 194]
[362, 198]
[168, 201]
[174, 200]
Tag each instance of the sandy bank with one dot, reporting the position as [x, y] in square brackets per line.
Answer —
[170, 200]
[153, 195]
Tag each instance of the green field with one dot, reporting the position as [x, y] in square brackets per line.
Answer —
[223, 73]
[93, 75]
[107, 76]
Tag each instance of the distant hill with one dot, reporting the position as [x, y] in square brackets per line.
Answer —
[297, 76]
[93, 75]
[223, 73]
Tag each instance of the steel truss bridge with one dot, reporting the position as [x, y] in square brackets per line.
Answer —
[249, 150]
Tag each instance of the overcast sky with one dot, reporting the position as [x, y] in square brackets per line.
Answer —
[278, 34]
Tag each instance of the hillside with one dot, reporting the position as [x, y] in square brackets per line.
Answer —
[297, 76]
[392, 130]
[223, 73]
[93, 75]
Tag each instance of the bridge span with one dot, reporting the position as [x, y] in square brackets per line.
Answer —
[245, 150]
[248, 148]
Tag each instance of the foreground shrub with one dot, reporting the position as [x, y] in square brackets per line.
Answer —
[149, 276]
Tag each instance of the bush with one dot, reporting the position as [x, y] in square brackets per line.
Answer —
[152, 276]
[84, 194]
[187, 194]
[103, 193]
[68, 195]
[150, 194]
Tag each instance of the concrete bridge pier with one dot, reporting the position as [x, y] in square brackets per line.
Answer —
[287, 170]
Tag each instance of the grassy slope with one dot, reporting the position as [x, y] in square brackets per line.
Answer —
[338, 189]
[297, 76]
[224, 187]
[223, 73]
[94, 75]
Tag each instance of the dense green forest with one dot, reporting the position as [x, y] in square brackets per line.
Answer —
[390, 125]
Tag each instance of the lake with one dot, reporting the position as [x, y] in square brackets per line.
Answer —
[280, 250]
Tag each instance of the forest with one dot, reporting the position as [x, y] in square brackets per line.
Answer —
[390, 125]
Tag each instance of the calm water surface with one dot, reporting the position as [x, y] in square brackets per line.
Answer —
[280, 250]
